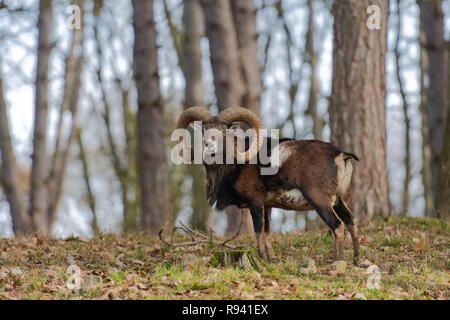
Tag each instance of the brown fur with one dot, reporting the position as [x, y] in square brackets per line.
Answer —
[319, 170]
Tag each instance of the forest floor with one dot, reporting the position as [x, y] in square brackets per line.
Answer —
[412, 254]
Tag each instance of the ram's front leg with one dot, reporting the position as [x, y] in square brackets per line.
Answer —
[269, 251]
[257, 212]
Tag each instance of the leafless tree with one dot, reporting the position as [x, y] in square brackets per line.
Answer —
[123, 159]
[405, 106]
[443, 184]
[153, 168]
[39, 172]
[187, 46]
[193, 23]
[358, 102]
[9, 173]
[231, 31]
[311, 57]
[436, 60]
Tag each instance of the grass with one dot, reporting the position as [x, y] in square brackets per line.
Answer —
[413, 255]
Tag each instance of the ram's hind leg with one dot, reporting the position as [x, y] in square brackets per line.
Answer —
[342, 206]
[343, 210]
[269, 250]
[324, 207]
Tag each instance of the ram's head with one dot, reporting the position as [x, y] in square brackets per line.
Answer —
[221, 130]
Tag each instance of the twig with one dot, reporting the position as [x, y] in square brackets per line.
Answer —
[171, 236]
[171, 245]
[161, 238]
[239, 230]
[192, 233]
[211, 234]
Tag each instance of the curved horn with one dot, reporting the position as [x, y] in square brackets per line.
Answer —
[193, 114]
[233, 114]
[189, 115]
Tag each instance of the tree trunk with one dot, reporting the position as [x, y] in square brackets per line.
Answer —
[223, 46]
[72, 86]
[244, 15]
[235, 84]
[431, 17]
[407, 160]
[195, 96]
[311, 57]
[153, 168]
[358, 103]
[39, 172]
[131, 190]
[9, 174]
[86, 174]
[124, 162]
[192, 55]
[426, 149]
[443, 184]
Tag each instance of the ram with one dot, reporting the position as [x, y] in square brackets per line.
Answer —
[311, 174]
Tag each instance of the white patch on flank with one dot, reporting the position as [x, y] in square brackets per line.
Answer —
[279, 155]
[287, 199]
[292, 196]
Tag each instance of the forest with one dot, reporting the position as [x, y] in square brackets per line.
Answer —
[91, 92]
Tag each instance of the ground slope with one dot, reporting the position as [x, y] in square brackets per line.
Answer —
[412, 254]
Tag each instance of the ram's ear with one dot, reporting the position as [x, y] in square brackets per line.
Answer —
[239, 125]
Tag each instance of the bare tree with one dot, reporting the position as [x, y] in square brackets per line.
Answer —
[244, 17]
[39, 172]
[194, 94]
[432, 23]
[426, 149]
[47, 172]
[86, 174]
[9, 173]
[231, 31]
[443, 184]
[153, 168]
[72, 86]
[311, 57]
[358, 102]
[407, 159]
[294, 83]
[191, 59]
[223, 46]
[123, 159]
[188, 49]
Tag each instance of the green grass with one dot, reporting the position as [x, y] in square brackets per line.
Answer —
[412, 252]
